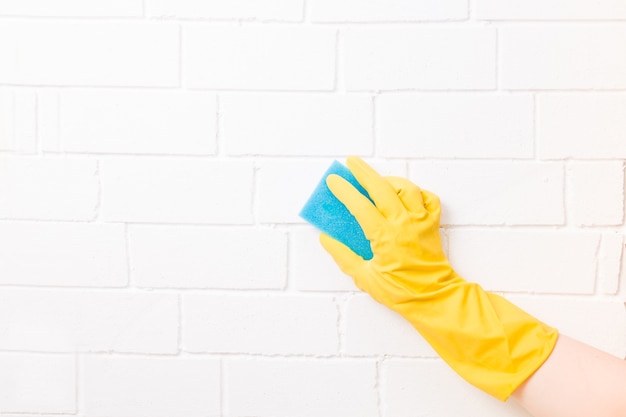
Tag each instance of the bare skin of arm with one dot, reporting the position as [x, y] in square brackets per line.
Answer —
[577, 380]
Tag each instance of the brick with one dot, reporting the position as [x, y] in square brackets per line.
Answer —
[276, 178]
[372, 329]
[89, 53]
[71, 8]
[48, 188]
[609, 262]
[17, 117]
[596, 321]
[296, 124]
[88, 321]
[119, 386]
[397, 58]
[302, 387]
[33, 383]
[549, 10]
[200, 257]
[7, 125]
[176, 190]
[283, 10]
[425, 388]
[526, 261]
[455, 125]
[494, 193]
[37, 415]
[597, 193]
[283, 58]
[545, 57]
[581, 126]
[149, 122]
[386, 11]
[48, 119]
[67, 254]
[18, 131]
[259, 324]
[312, 268]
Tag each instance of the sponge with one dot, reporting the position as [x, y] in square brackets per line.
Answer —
[324, 211]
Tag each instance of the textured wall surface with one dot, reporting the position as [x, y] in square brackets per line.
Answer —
[154, 155]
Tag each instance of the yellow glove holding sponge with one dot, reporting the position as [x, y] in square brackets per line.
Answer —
[488, 341]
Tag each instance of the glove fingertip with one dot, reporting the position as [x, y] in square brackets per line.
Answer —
[431, 202]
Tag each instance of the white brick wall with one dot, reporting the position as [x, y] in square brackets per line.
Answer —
[582, 126]
[258, 57]
[425, 58]
[17, 121]
[552, 57]
[296, 124]
[386, 11]
[287, 325]
[271, 10]
[67, 254]
[89, 53]
[150, 386]
[99, 321]
[154, 156]
[36, 383]
[176, 257]
[48, 188]
[71, 8]
[129, 122]
[303, 387]
[455, 125]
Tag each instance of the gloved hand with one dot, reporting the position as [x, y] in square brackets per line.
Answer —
[488, 341]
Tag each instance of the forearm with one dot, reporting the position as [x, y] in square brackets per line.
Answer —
[576, 381]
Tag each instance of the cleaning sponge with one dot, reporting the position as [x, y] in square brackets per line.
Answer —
[324, 211]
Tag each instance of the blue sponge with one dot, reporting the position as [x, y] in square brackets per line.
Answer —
[324, 211]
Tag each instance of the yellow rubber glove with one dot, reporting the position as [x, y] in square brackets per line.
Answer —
[488, 341]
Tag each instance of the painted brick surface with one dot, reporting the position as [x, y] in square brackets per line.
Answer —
[132, 122]
[551, 56]
[176, 191]
[258, 324]
[455, 125]
[68, 254]
[581, 126]
[550, 10]
[89, 53]
[296, 124]
[18, 128]
[95, 321]
[150, 386]
[397, 58]
[271, 10]
[205, 257]
[48, 189]
[36, 383]
[155, 154]
[305, 387]
[71, 8]
[386, 11]
[283, 58]
[597, 190]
